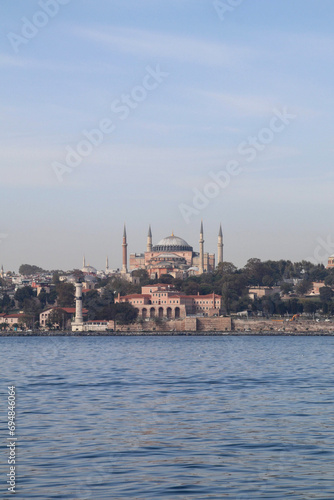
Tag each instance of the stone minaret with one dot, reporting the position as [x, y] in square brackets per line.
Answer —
[220, 246]
[78, 304]
[149, 240]
[84, 261]
[201, 251]
[107, 264]
[125, 252]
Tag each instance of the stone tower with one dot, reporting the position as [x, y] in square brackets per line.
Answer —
[125, 252]
[149, 240]
[220, 246]
[201, 251]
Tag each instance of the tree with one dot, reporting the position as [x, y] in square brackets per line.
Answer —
[55, 278]
[42, 297]
[329, 280]
[26, 292]
[304, 287]
[310, 307]
[52, 296]
[286, 288]
[226, 268]
[57, 318]
[255, 270]
[5, 303]
[167, 279]
[65, 294]
[294, 306]
[28, 270]
[281, 307]
[123, 313]
[228, 296]
[268, 280]
[326, 294]
[32, 310]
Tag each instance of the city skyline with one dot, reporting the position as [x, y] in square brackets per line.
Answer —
[165, 114]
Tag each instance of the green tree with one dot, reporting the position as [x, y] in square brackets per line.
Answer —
[26, 292]
[42, 297]
[304, 287]
[5, 303]
[228, 296]
[123, 313]
[29, 270]
[52, 296]
[326, 294]
[167, 279]
[310, 307]
[32, 310]
[286, 288]
[55, 278]
[65, 294]
[268, 280]
[57, 319]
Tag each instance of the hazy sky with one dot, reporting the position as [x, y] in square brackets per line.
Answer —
[183, 91]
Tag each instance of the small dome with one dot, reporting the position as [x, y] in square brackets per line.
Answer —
[90, 279]
[172, 243]
[89, 270]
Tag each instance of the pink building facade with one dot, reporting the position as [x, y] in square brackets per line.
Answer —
[161, 301]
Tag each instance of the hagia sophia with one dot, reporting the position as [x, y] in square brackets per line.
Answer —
[172, 255]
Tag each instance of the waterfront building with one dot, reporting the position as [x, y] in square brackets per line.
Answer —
[164, 302]
[65, 315]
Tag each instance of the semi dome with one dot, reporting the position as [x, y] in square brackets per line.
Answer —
[172, 244]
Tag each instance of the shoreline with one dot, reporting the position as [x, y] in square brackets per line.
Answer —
[323, 333]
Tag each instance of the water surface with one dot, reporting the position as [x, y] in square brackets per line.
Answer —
[171, 417]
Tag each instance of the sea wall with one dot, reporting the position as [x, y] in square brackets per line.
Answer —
[190, 324]
[282, 326]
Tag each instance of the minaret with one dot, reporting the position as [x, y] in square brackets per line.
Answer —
[149, 240]
[125, 252]
[220, 246]
[84, 261]
[201, 251]
[78, 304]
[107, 264]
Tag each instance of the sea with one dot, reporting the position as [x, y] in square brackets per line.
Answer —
[181, 417]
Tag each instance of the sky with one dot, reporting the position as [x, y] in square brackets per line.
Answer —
[165, 113]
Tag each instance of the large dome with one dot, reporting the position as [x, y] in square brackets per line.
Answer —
[172, 243]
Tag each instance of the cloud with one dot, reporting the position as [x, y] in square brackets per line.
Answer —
[157, 45]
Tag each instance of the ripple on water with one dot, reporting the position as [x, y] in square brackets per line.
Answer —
[173, 417]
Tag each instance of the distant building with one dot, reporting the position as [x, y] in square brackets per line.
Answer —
[316, 285]
[172, 255]
[258, 292]
[330, 264]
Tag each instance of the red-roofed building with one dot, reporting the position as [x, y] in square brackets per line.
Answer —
[66, 314]
[170, 304]
[12, 319]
